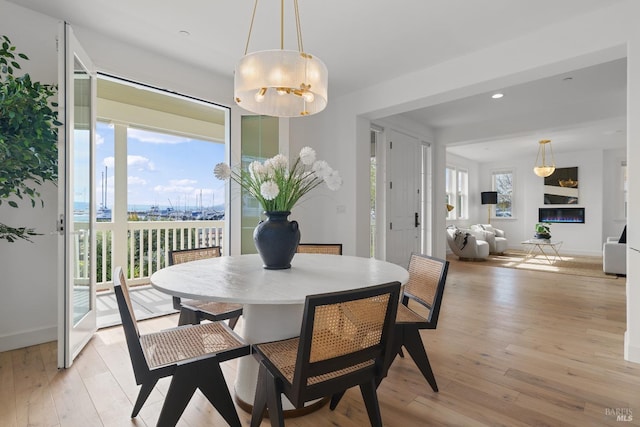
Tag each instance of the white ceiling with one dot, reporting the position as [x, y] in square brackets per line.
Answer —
[364, 42]
[579, 110]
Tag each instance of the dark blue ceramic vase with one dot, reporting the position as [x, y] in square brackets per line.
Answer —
[277, 239]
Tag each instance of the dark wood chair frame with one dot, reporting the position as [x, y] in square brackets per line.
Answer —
[336, 248]
[194, 314]
[272, 384]
[202, 372]
[407, 334]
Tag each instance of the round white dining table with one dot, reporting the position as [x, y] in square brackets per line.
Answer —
[273, 300]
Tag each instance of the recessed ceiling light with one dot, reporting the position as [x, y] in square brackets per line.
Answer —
[497, 95]
[184, 33]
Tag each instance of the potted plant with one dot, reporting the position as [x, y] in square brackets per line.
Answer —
[28, 137]
[278, 187]
[543, 230]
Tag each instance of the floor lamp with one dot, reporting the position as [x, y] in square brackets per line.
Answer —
[489, 198]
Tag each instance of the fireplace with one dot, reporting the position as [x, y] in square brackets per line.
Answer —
[564, 215]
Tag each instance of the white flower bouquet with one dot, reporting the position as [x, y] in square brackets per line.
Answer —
[278, 187]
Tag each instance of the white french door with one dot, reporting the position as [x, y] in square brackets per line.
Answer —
[403, 198]
[77, 301]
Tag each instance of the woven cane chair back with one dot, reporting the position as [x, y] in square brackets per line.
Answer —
[186, 255]
[193, 311]
[343, 333]
[427, 276]
[320, 248]
[129, 315]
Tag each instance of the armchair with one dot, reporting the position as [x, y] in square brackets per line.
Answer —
[495, 237]
[614, 255]
[466, 245]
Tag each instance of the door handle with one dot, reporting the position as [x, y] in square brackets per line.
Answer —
[416, 222]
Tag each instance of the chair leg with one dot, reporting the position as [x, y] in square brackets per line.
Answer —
[274, 398]
[415, 347]
[396, 348]
[370, 398]
[212, 384]
[188, 317]
[143, 394]
[183, 385]
[233, 321]
[335, 399]
[260, 400]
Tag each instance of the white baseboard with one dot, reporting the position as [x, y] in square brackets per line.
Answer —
[28, 338]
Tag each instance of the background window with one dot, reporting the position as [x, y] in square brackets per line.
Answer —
[457, 191]
[502, 182]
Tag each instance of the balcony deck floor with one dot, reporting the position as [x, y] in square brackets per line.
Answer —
[147, 303]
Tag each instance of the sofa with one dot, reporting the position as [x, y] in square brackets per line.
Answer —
[495, 237]
[614, 254]
[465, 244]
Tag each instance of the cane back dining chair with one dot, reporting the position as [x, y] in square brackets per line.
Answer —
[194, 311]
[344, 340]
[320, 248]
[190, 354]
[427, 278]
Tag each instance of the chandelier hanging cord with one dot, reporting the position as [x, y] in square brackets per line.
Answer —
[542, 149]
[253, 17]
[298, 26]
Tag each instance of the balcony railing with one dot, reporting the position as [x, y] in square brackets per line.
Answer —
[146, 249]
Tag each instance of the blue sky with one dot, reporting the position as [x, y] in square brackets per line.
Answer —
[162, 169]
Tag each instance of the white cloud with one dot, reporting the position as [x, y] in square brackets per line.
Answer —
[99, 139]
[183, 182]
[136, 180]
[133, 162]
[108, 162]
[140, 162]
[155, 138]
[172, 188]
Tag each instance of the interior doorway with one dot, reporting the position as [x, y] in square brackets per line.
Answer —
[398, 174]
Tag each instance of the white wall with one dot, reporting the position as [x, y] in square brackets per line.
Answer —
[578, 239]
[29, 270]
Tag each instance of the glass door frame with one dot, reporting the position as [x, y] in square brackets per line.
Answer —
[74, 333]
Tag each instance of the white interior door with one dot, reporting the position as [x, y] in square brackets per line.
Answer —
[77, 92]
[403, 213]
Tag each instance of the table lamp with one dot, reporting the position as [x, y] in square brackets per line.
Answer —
[489, 198]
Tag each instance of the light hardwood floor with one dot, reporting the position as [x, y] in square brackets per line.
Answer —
[512, 348]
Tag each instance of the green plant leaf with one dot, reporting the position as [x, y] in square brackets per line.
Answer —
[28, 136]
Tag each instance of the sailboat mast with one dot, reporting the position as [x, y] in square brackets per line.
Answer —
[104, 188]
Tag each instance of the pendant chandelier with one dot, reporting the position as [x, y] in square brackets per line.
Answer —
[281, 83]
[544, 170]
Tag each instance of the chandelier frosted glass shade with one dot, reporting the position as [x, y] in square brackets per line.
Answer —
[544, 170]
[281, 83]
